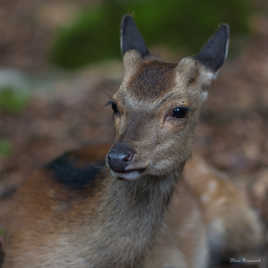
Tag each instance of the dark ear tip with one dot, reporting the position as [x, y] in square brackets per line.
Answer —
[131, 37]
[215, 51]
[225, 28]
[127, 17]
[125, 20]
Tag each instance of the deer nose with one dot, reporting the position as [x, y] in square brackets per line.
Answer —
[120, 156]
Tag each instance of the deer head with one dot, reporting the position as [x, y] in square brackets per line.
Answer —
[157, 106]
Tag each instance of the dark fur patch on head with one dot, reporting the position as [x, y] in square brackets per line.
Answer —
[152, 79]
[71, 172]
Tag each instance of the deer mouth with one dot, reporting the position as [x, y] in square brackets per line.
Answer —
[130, 173]
[129, 176]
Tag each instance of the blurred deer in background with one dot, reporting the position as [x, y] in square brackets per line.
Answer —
[137, 211]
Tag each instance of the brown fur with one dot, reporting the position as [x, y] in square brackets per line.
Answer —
[233, 226]
[152, 80]
[112, 222]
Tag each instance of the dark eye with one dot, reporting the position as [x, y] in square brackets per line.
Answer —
[114, 107]
[179, 112]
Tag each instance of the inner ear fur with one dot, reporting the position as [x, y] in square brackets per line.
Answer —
[192, 71]
[131, 62]
[204, 66]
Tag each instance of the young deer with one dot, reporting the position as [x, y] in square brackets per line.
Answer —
[137, 211]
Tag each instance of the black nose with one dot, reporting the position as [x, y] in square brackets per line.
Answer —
[120, 156]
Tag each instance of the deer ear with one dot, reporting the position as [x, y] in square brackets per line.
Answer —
[131, 38]
[215, 51]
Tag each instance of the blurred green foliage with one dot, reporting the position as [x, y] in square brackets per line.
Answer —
[12, 100]
[94, 34]
[5, 147]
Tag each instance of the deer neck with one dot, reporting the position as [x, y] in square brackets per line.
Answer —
[134, 213]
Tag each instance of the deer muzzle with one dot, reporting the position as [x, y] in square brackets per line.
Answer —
[121, 161]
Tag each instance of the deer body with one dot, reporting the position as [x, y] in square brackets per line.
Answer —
[83, 228]
[137, 211]
[71, 232]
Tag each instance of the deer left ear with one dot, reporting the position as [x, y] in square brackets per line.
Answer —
[202, 68]
[215, 51]
[131, 38]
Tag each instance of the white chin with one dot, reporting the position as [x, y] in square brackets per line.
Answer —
[130, 176]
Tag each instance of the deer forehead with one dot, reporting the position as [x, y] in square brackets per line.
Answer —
[152, 80]
[152, 83]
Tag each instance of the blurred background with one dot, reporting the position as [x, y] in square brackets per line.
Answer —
[60, 63]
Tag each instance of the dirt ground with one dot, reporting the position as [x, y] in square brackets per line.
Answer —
[232, 135]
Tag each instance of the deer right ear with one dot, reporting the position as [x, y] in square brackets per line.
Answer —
[133, 47]
[131, 38]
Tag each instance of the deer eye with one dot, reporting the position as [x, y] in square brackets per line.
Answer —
[179, 112]
[114, 107]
